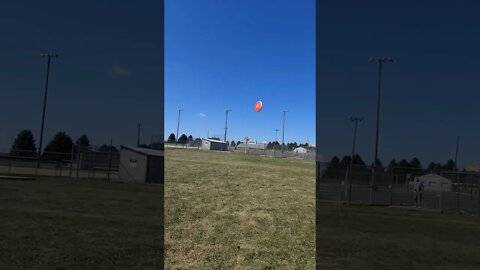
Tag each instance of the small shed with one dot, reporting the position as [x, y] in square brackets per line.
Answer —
[435, 182]
[300, 150]
[214, 145]
[141, 165]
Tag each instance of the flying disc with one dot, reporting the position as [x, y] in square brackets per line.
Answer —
[258, 106]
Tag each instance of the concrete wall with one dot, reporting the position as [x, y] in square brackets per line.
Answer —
[133, 166]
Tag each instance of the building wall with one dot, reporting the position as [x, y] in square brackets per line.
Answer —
[155, 170]
[206, 145]
[218, 146]
[133, 166]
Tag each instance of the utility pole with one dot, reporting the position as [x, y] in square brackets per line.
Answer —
[49, 57]
[138, 135]
[178, 124]
[283, 131]
[226, 119]
[355, 120]
[458, 178]
[380, 61]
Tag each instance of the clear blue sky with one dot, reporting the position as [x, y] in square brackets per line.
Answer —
[229, 54]
[105, 81]
[430, 93]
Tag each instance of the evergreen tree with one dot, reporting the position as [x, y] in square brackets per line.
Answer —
[61, 143]
[83, 143]
[24, 145]
[183, 139]
[171, 138]
[415, 163]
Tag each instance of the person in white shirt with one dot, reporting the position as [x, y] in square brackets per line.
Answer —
[418, 191]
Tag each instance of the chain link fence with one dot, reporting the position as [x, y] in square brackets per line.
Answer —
[443, 190]
[277, 152]
[79, 163]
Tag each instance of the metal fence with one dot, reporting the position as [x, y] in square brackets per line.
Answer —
[392, 187]
[310, 155]
[80, 164]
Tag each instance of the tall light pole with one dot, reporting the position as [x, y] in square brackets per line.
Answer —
[283, 130]
[226, 119]
[380, 61]
[355, 120]
[178, 124]
[49, 57]
[138, 135]
[458, 178]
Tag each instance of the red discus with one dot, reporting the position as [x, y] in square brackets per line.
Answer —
[258, 106]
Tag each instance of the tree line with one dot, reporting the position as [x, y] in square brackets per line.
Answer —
[24, 145]
[414, 166]
[184, 139]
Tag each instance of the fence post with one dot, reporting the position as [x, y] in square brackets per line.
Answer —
[478, 197]
[71, 160]
[9, 165]
[458, 193]
[79, 156]
[440, 203]
[391, 189]
[109, 160]
[346, 185]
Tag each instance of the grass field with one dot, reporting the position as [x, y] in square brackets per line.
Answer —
[359, 237]
[223, 211]
[229, 211]
[62, 223]
[235, 211]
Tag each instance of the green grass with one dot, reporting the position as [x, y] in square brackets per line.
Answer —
[231, 211]
[222, 211]
[79, 224]
[358, 237]
[234, 211]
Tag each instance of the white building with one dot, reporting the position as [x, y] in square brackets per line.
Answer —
[141, 165]
[300, 150]
[214, 145]
[435, 182]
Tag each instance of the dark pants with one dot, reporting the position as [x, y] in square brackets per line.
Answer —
[418, 198]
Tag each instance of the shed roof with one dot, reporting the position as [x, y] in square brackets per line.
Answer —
[143, 151]
[212, 140]
[434, 177]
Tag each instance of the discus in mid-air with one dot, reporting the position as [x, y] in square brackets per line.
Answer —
[258, 106]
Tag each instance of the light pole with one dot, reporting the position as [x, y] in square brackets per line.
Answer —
[283, 130]
[138, 135]
[49, 57]
[458, 178]
[355, 120]
[380, 61]
[226, 119]
[178, 124]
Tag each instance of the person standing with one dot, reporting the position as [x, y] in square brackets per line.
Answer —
[420, 192]
[416, 191]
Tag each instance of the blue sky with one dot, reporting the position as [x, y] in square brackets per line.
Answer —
[229, 54]
[105, 81]
[430, 93]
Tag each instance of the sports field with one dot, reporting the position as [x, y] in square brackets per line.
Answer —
[223, 211]
[231, 211]
[235, 211]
